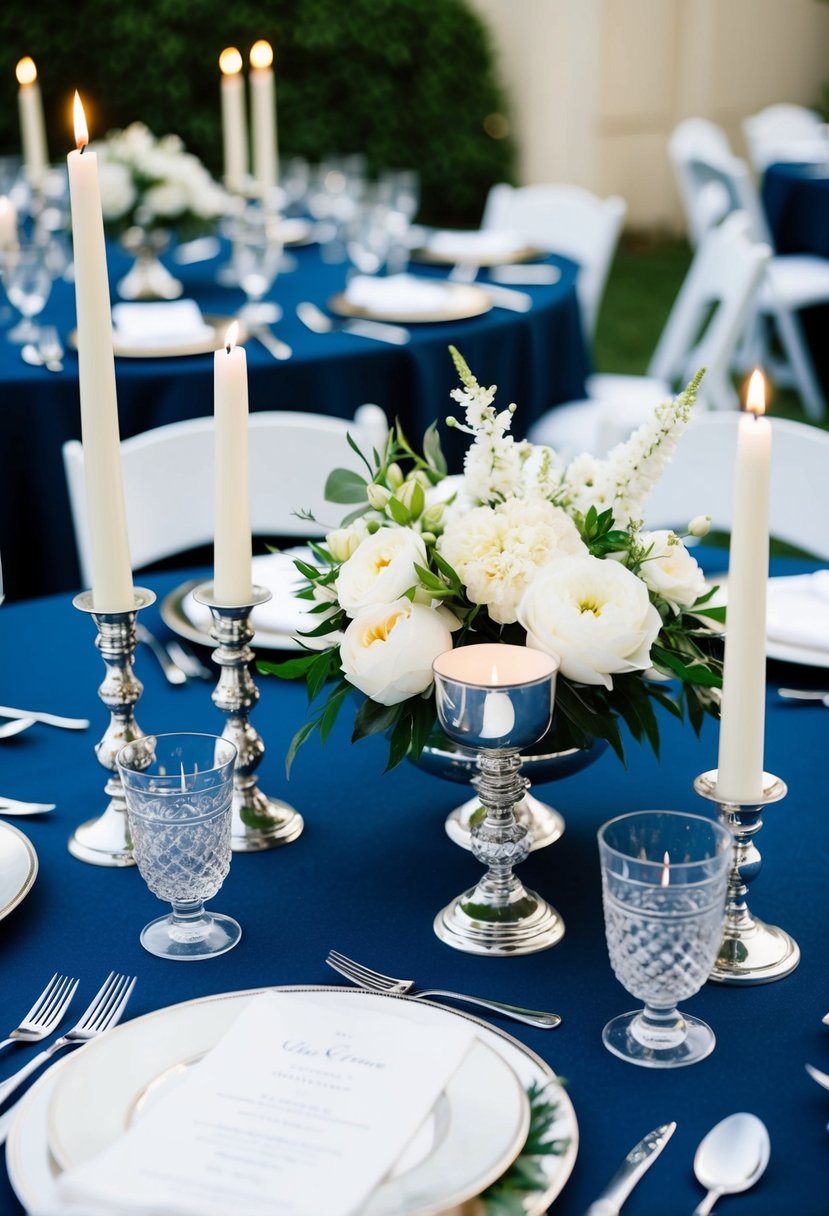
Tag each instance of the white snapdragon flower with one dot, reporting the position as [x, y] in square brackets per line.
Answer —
[380, 569]
[388, 650]
[588, 483]
[670, 571]
[498, 551]
[595, 615]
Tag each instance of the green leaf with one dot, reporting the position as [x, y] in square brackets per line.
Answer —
[320, 670]
[695, 672]
[433, 451]
[332, 707]
[373, 718]
[400, 742]
[344, 485]
[353, 445]
[288, 669]
[296, 743]
[430, 581]
[399, 513]
[309, 572]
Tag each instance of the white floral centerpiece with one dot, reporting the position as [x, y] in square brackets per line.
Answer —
[520, 548]
[155, 183]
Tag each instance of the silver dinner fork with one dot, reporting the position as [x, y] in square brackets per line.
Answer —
[104, 1011]
[376, 981]
[46, 1012]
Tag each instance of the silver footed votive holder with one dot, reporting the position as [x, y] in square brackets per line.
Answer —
[497, 699]
[751, 952]
[105, 841]
[258, 821]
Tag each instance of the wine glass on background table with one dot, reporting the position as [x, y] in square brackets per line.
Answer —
[256, 259]
[179, 795]
[27, 279]
[664, 877]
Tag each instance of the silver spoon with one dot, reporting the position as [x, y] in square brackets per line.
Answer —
[731, 1157]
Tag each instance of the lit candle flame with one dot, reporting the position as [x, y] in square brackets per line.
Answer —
[665, 878]
[261, 54]
[230, 61]
[756, 394]
[81, 129]
[26, 72]
[231, 336]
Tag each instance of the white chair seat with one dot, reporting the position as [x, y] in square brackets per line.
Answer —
[795, 280]
[615, 407]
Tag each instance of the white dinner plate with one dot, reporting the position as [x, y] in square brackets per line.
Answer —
[211, 340]
[276, 623]
[82, 1103]
[785, 601]
[18, 867]
[453, 302]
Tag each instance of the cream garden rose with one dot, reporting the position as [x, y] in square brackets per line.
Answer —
[388, 650]
[670, 571]
[595, 615]
[498, 551]
[380, 569]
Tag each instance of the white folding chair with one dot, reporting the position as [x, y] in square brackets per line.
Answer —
[700, 479]
[724, 275]
[720, 184]
[784, 132]
[568, 220]
[693, 143]
[169, 485]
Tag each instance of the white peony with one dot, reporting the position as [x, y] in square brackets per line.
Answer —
[595, 615]
[498, 551]
[670, 571]
[380, 569]
[388, 650]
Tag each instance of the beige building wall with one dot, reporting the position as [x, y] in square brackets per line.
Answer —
[596, 86]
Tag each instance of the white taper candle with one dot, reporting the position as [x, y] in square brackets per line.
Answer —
[232, 535]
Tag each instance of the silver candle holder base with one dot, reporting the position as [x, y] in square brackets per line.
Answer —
[751, 952]
[259, 822]
[105, 841]
[543, 822]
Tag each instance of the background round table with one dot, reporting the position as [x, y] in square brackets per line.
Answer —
[537, 358]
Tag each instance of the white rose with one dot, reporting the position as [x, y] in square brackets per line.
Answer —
[670, 571]
[594, 614]
[388, 650]
[498, 551]
[381, 569]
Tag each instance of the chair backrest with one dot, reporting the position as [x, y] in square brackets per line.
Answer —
[568, 220]
[704, 168]
[783, 132]
[700, 480]
[725, 273]
[169, 480]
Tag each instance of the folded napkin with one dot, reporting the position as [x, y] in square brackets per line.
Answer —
[396, 293]
[797, 610]
[298, 1110]
[467, 246]
[166, 323]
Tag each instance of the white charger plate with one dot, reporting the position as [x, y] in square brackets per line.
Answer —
[782, 595]
[18, 867]
[460, 301]
[81, 1101]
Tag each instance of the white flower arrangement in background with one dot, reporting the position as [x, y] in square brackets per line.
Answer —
[149, 182]
[519, 548]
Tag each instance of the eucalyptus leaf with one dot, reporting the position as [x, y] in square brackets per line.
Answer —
[344, 485]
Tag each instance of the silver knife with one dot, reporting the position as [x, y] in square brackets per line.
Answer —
[638, 1161]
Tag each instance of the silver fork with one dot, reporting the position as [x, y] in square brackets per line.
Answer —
[46, 1012]
[376, 981]
[104, 1011]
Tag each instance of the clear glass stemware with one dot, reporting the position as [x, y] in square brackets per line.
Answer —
[27, 279]
[664, 878]
[179, 795]
[257, 259]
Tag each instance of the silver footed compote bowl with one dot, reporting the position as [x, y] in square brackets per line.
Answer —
[497, 699]
[179, 792]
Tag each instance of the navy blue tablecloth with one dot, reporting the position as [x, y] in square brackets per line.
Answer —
[537, 358]
[796, 201]
[374, 866]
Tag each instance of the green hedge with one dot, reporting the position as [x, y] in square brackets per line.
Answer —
[408, 82]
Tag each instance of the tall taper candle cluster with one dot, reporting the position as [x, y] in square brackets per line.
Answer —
[263, 136]
[32, 124]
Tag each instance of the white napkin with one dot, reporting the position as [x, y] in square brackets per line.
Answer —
[298, 1110]
[397, 293]
[166, 323]
[797, 610]
[283, 613]
[467, 246]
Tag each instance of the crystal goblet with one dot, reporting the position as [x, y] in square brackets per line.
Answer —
[664, 877]
[179, 794]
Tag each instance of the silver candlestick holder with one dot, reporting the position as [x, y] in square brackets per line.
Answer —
[259, 822]
[497, 715]
[105, 841]
[751, 952]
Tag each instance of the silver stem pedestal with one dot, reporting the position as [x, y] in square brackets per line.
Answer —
[752, 952]
[105, 841]
[259, 822]
[499, 915]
